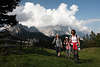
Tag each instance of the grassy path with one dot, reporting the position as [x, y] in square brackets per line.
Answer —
[90, 57]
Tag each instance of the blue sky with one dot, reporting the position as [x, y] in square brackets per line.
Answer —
[88, 9]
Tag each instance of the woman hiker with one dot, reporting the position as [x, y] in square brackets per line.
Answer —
[58, 45]
[75, 41]
[68, 47]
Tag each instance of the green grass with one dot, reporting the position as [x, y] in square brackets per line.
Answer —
[90, 57]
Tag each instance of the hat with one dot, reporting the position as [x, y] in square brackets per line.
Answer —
[66, 37]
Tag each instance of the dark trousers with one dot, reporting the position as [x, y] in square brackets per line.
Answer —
[76, 56]
[58, 49]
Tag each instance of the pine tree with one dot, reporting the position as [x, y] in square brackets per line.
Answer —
[5, 7]
[92, 35]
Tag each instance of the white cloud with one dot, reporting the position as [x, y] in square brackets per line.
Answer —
[36, 15]
[90, 21]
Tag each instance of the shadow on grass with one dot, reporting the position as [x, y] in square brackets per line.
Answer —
[39, 51]
[85, 61]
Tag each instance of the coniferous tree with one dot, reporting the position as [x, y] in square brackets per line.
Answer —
[92, 35]
[5, 7]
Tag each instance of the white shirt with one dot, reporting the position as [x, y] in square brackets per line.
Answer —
[74, 39]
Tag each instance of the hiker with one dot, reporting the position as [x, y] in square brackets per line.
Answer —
[58, 45]
[68, 48]
[75, 41]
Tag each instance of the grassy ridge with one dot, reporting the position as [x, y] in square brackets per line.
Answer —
[90, 57]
